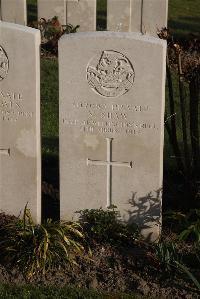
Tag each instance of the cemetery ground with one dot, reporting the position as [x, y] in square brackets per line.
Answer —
[103, 254]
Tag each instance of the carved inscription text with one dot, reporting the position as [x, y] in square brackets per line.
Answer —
[108, 118]
[12, 107]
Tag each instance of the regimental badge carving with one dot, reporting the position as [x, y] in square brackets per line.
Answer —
[4, 64]
[110, 74]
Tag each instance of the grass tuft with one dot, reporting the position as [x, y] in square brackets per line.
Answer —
[40, 248]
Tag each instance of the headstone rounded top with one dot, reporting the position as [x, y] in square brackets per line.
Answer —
[4, 63]
[110, 74]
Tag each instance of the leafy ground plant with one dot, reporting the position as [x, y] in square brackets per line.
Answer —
[167, 255]
[105, 226]
[133, 267]
[39, 248]
[171, 261]
[192, 227]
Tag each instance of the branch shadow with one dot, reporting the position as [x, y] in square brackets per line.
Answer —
[146, 212]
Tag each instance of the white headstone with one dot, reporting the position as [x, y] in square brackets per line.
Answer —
[83, 13]
[145, 16]
[136, 16]
[112, 92]
[48, 9]
[20, 159]
[14, 11]
[118, 15]
[154, 16]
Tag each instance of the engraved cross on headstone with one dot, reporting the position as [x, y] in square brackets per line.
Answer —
[109, 163]
[4, 151]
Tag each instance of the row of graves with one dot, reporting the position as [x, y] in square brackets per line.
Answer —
[111, 116]
[144, 16]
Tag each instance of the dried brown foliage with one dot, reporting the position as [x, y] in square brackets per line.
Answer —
[189, 52]
[183, 60]
[51, 31]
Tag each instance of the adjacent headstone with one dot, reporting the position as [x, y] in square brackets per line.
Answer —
[118, 15]
[112, 92]
[136, 15]
[83, 13]
[20, 159]
[13, 11]
[154, 16]
[145, 16]
[48, 9]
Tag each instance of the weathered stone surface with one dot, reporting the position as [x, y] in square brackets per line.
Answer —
[14, 11]
[145, 16]
[118, 15]
[154, 16]
[20, 159]
[83, 13]
[136, 16]
[112, 92]
[50, 8]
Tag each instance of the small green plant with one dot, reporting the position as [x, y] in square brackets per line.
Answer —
[192, 231]
[167, 255]
[105, 226]
[186, 225]
[170, 260]
[39, 248]
[176, 219]
[192, 227]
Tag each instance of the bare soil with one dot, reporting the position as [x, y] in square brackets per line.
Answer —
[130, 269]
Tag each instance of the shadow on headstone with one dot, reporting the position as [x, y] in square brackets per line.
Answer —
[146, 212]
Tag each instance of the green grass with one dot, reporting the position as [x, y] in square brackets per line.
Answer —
[49, 105]
[50, 121]
[31, 10]
[51, 292]
[184, 17]
[101, 15]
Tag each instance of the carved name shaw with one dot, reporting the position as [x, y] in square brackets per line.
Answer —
[110, 74]
[4, 64]
[109, 163]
